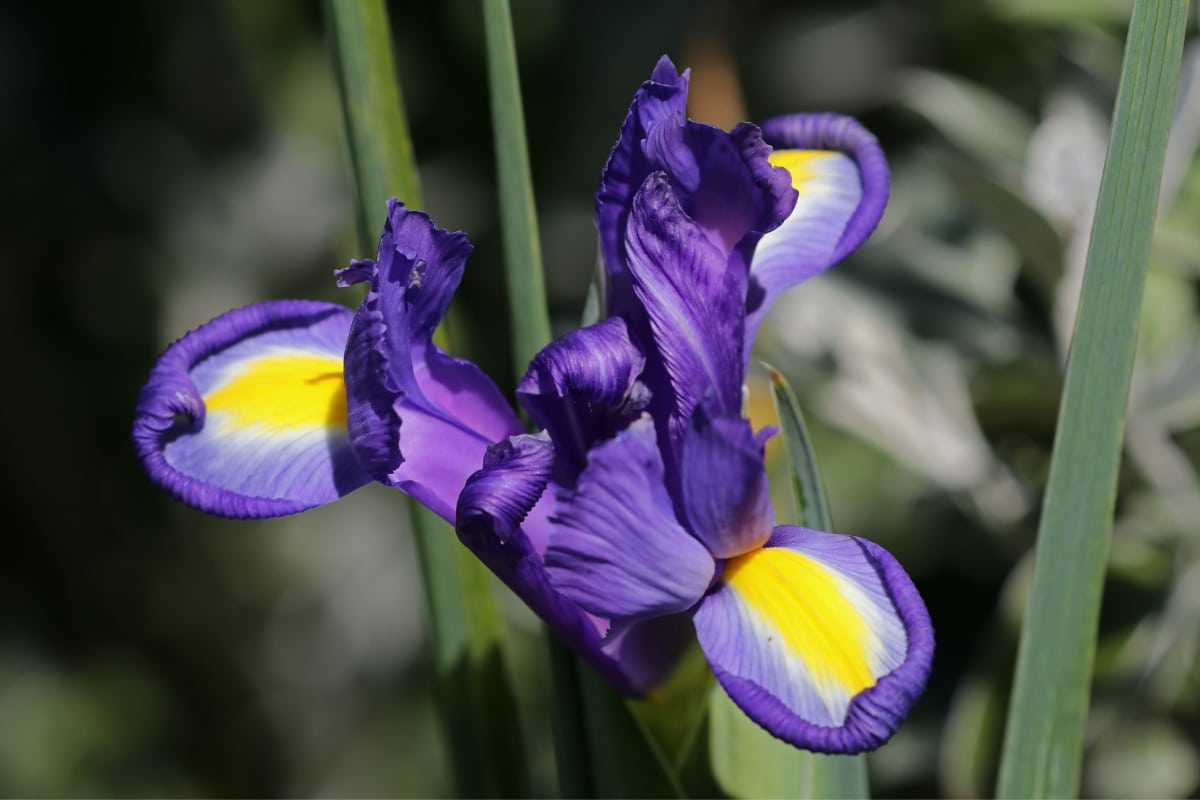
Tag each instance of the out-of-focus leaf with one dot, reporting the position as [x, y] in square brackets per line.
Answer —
[975, 119]
[1064, 12]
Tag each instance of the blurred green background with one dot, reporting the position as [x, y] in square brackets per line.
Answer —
[164, 162]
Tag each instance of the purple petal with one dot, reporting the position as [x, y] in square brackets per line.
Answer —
[500, 496]
[695, 308]
[418, 418]
[841, 175]
[246, 415]
[725, 491]
[616, 548]
[821, 639]
[501, 506]
[724, 181]
[582, 388]
[664, 95]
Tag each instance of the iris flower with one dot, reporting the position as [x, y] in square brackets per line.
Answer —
[640, 511]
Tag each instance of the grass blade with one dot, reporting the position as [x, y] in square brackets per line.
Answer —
[1043, 742]
[748, 761]
[380, 147]
[475, 697]
[576, 762]
[474, 694]
[522, 251]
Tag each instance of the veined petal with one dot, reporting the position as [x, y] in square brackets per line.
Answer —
[616, 548]
[841, 176]
[724, 180]
[246, 415]
[502, 518]
[821, 639]
[695, 308]
[418, 418]
[583, 388]
[659, 98]
[497, 498]
[725, 491]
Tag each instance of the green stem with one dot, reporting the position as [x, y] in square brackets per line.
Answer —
[518, 215]
[474, 695]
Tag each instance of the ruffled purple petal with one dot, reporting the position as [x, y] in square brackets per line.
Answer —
[582, 388]
[841, 176]
[821, 639]
[616, 548]
[246, 415]
[664, 95]
[724, 181]
[725, 491]
[503, 508]
[500, 496]
[695, 308]
[418, 418]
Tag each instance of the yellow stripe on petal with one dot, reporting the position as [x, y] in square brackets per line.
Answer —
[281, 393]
[806, 603]
[803, 165]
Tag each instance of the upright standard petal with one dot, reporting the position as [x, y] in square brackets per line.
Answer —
[725, 492]
[659, 98]
[725, 181]
[841, 177]
[615, 533]
[246, 415]
[583, 388]
[821, 639]
[695, 308]
[418, 418]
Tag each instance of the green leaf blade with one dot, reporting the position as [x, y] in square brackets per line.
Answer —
[522, 250]
[474, 693]
[377, 131]
[1044, 737]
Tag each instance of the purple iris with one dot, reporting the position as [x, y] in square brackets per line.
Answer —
[640, 512]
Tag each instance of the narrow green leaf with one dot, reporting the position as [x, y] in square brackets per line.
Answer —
[530, 321]
[474, 694]
[1044, 737]
[380, 147]
[475, 698]
[522, 251]
[748, 761]
[625, 760]
[811, 503]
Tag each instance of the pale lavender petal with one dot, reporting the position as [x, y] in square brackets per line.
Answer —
[246, 415]
[841, 177]
[615, 533]
[725, 491]
[821, 639]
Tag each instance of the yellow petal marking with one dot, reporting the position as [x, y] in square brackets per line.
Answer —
[282, 393]
[802, 600]
[802, 164]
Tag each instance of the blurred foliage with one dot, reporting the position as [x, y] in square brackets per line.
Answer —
[166, 161]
